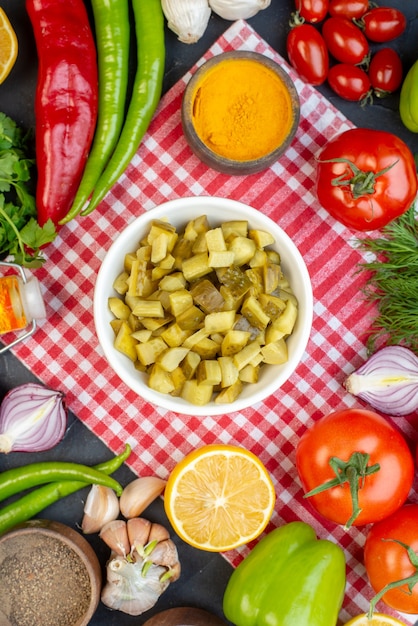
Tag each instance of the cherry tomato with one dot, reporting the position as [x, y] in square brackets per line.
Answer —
[348, 8]
[312, 10]
[386, 561]
[345, 41]
[383, 24]
[349, 81]
[387, 194]
[385, 71]
[308, 53]
[340, 434]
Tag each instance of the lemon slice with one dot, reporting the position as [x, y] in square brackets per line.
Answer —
[8, 46]
[378, 619]
[219, 497]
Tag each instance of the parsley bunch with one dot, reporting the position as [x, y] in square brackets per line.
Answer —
[21, 237]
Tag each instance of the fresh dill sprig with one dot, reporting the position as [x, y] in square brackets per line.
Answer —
[392, 283]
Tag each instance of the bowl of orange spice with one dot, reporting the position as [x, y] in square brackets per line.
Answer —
[240, 112]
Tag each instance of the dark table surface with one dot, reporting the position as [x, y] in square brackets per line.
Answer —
[204, 575]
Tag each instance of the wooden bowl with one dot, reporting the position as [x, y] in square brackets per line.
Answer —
[216, 125]
[50, 576]
[185, 616]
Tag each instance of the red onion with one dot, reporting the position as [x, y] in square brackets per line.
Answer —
[388, 381]
[32, 419]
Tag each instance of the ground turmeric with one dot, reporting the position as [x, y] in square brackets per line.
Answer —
[242, 110]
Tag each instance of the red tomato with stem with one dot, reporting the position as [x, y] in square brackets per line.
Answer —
[351, 9]
[385, 71]
[308, 53]
[312, 10]
[365, 178]
[383, 24]
[345, 41]
[361, 448]
[387, 561]
[349, 81]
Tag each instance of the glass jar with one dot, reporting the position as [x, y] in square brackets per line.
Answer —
[21, 303]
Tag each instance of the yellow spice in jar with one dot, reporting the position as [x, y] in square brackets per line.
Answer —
[242, 110]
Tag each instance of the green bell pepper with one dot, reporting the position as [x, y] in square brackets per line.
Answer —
[290, 578]
[408, 100]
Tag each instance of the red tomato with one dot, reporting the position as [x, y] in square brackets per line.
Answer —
[385, 71]
[308, 54]
[339, 435]
[387, 561]
[312, 10]
[389, 194]
[349, 81]
[383, 24]
[344, 40]
[348, 8]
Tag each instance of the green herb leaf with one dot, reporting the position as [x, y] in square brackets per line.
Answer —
[21, 237]
[393, 283]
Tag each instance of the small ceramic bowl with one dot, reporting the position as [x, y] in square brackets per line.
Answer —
[50, 576]
[178, 213]
[225, 127]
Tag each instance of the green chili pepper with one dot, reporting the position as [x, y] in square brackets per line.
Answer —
[146, 93]
[19, 478]
[110, 466]
[289, 578]
[111, 20]
[35, 501]
[408, 100]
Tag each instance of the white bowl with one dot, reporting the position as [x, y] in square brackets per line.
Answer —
[178, 213]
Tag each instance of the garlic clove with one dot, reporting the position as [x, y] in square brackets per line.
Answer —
[175, 572]
[238, 9]
[138, 532]
[158, 532]
[165, 553]
[187, 18]
[139, 494]
[115, 535]
[101, 507]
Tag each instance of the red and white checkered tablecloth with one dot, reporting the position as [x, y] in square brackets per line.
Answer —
[64, 352]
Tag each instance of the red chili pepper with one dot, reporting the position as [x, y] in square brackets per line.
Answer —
[66, 101]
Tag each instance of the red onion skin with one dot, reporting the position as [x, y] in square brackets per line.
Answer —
[394, 399]
[42, 435]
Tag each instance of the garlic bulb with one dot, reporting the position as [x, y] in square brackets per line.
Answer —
[187, 18]
[136, 578]
[128, 590]
[238, 9]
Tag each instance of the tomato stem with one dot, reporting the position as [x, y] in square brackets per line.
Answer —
[409, 581]
[360, 182]
[296, 19]
[353, 472]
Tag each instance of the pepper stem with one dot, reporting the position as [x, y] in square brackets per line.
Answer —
[409, 581]
[353, 472]
[360, 182]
